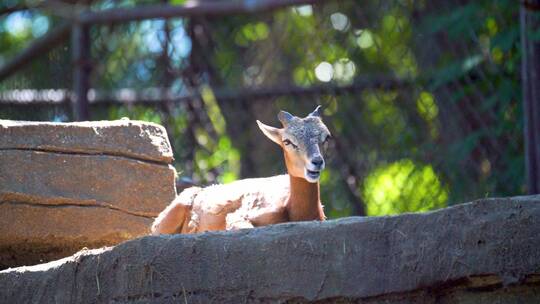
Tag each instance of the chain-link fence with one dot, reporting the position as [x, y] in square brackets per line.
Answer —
[423, 97]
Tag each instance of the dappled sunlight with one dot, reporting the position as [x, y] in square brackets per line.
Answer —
[251, 32]
[428, 110]
[344, 70]
[214, 112]
[383, 113]
[220, 155]
[403, 186]
[389, 44]
[303, 77]
[364, 39]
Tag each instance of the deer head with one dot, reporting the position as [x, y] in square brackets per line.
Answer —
[301, 140]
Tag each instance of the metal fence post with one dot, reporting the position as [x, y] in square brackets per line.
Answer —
[80, 45]
[530, 72]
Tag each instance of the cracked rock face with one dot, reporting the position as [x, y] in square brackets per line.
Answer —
[65, 186]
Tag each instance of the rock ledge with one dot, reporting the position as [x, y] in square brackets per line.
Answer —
[482, 252]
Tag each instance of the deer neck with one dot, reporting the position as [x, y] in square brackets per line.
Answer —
[304, 201]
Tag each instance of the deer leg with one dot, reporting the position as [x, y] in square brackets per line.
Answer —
[172, 219]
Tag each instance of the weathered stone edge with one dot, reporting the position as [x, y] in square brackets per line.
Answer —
[147, 141]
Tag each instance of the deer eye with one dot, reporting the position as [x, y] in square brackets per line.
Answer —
[287, 142]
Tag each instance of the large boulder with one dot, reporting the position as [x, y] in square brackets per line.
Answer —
[487, 251]
[65, 186]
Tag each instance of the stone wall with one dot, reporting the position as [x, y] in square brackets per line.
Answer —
[65, 186]
[487, 251]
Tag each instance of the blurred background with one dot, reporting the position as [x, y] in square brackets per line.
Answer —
[424, 98]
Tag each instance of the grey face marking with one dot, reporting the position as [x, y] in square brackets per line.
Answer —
[307, 133]
[306, 136]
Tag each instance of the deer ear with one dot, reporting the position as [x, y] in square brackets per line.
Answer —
[273, 133]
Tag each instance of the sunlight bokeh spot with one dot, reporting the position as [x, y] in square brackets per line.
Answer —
[324, 71]
[344, 70]
[40, 25]
[471, 62]
[339, 21]
[365, 39]
[257, 31]
[17, 24]
[304, 10]
[251, 32]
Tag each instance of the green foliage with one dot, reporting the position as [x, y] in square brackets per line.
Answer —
[453, 134]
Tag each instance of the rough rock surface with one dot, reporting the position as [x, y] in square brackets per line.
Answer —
[130, 138]
[123, 184]
[487, 251]
[67, 186]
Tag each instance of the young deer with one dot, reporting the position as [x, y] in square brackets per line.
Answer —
[259, 201]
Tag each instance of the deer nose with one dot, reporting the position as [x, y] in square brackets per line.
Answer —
[317, 161]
